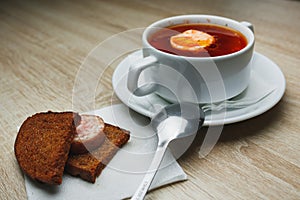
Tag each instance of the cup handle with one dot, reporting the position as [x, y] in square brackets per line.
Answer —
[248, 24]
[134, 74]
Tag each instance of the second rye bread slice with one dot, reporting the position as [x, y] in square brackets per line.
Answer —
[89, 166]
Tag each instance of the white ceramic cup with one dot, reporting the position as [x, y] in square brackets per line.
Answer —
[192, 79]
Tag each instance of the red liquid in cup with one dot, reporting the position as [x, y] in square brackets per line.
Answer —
[226, 40]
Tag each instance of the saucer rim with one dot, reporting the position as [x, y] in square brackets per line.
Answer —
[276, 97]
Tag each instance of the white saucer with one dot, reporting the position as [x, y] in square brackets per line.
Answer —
[265, 73]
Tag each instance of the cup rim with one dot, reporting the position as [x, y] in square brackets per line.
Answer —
[157, 24]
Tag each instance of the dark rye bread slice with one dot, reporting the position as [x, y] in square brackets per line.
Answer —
[43, 143]
[88, 166]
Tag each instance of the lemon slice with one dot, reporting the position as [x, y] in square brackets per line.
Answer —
[191, 40]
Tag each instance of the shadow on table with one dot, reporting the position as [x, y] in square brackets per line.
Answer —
[237, 131]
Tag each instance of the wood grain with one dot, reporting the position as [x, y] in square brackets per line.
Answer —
[43, 47]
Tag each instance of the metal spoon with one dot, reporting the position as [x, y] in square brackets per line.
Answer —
[172, 122]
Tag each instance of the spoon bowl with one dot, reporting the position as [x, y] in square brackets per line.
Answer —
[177, 121]
[172, 122]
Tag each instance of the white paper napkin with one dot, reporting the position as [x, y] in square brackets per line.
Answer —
[124, 172]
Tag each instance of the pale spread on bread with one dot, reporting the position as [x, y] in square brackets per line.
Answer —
[89, 134]
[89, 127]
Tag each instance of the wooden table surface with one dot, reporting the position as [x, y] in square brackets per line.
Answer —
[43, 44]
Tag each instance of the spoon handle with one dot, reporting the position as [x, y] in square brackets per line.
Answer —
[148, 178]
